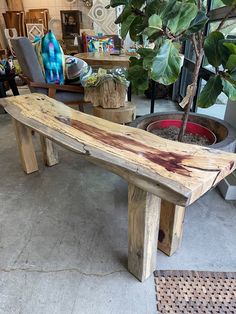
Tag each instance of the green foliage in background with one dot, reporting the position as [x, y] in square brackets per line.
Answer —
[166, 24]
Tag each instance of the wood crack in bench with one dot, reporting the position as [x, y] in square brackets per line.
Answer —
[163, 176]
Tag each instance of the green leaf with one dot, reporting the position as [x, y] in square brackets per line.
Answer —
[167, 64]
[233, 75]
[154, 7]
[158, 38]
[135, 61]
[169, 10]
[154, 25]
[139, 78]
[137, 3]
[150, 32]
[231, 47]
[123, 16]
[211, 48]
[229, 89]
[136, 28]
[155, 22]
[231, 63]
[147, 54]
[224, 50]
[181, 21]
[198, 23]
[210, 92]
[125, 26]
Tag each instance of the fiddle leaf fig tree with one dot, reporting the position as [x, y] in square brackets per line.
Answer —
[166, 24]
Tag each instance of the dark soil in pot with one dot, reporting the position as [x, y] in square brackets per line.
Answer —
[172, 132]
[194, 133]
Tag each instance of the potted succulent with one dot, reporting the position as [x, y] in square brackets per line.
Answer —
[166, 24]
[105, 88]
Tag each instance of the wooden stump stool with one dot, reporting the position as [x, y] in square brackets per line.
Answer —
[120, 115]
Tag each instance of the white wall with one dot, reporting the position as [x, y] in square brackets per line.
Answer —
[54, 6]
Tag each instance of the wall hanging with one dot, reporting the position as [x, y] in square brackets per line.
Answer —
[70, 23]
[104, 17]
[34, 30]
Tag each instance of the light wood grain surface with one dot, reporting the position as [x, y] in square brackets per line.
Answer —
[144, 217]
[124, 114]
[104, 59]
[26, 148]
[15, 5]
[184, 170]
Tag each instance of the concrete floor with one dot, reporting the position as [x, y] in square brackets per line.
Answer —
[63, 238]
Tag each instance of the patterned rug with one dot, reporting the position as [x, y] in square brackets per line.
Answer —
[195, 292]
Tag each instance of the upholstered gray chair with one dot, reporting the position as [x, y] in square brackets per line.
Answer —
[32, 72]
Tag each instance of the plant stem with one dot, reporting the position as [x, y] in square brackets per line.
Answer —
[197, 41]
[197, 66]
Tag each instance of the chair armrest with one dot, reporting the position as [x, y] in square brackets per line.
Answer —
[67, 88]
[24, 78]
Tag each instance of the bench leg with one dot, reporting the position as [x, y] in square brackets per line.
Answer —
[26, 148]
[171, 227]
[50, 154]
[144, 215]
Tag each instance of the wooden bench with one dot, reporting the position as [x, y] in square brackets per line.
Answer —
[163, 176]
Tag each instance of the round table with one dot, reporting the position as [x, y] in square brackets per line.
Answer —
[104, 59]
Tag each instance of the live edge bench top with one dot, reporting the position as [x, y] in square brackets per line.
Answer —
[174, 171]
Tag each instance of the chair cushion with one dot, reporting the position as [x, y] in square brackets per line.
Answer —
[27, 59]
[51, 58]
[74, 67]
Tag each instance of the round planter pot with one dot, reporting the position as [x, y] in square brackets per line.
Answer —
[191, 127]
[225, 134]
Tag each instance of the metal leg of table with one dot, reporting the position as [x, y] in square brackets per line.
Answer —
[129, 93]
[153, 95]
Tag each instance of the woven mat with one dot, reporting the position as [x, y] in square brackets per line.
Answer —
[195, 292]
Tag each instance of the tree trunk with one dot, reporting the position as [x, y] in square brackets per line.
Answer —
[197, 66]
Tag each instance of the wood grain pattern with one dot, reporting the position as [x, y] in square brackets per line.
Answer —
[187, 170]
[15, 5]
[161, 174]
[15, 19]
[50, 154]
[171, 227]
[109, 94]
[104, 59]
[121, 115]
[144, 215]
[26, 148]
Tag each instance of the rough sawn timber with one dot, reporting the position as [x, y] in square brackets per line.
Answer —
[156, 169]
[188, 170]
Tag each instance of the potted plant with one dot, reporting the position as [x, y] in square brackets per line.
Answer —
[166, 25]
